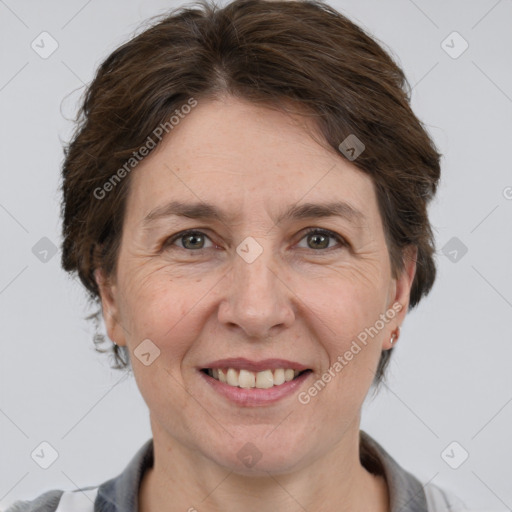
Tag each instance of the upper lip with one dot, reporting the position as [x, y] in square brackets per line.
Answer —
[240, 363]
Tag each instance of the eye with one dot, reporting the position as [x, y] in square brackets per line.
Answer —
[195, 240]
[191, 239]
[320, 239]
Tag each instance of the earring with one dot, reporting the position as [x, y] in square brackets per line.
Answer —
[395, 335]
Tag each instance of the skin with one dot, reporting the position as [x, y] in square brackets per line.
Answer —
[298, 301]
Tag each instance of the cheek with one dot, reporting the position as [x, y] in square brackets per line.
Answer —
[163, 309]
[348, 299]
[346, 313]
[352, 354]
[166, 312]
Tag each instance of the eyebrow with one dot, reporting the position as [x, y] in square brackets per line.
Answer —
[206, 211]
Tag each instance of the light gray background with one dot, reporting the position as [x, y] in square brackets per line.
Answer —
[450, 379]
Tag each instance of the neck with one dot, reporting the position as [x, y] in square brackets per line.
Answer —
[182, 480]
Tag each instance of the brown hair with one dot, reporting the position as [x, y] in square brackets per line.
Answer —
[300, 52]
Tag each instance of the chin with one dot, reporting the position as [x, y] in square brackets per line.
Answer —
[261, 468]
[258, 457]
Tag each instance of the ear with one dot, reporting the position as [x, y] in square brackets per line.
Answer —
[110, 307]
[400, 292]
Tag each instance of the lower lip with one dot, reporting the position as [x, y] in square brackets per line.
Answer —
[256, 397]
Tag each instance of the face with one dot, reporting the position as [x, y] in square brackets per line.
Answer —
[262, 284]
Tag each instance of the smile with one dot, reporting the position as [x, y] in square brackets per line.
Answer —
[249, 379]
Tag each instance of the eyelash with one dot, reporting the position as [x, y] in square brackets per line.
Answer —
[325, 232]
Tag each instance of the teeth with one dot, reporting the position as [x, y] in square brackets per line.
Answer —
[247, 379]
[264, 379]
[232, 377]
[279, 377]
[288, 374]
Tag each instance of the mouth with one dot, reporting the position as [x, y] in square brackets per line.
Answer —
[247, 379]
[248, 383]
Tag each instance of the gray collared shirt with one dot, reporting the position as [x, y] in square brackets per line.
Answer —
[120, 494]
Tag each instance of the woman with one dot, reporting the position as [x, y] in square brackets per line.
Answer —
[246, 197]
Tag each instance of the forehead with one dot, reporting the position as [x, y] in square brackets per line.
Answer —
[246, 158]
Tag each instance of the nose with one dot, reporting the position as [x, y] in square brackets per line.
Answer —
[256, 298]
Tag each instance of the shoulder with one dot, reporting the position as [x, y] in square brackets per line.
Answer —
[116, 494]
[47, 502]
[440, 500]
[406, 492]
[80, 500]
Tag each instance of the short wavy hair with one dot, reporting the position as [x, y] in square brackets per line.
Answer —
[275, 53]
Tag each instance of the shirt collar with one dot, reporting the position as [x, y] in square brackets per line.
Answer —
[121, 494]
[406, 493]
